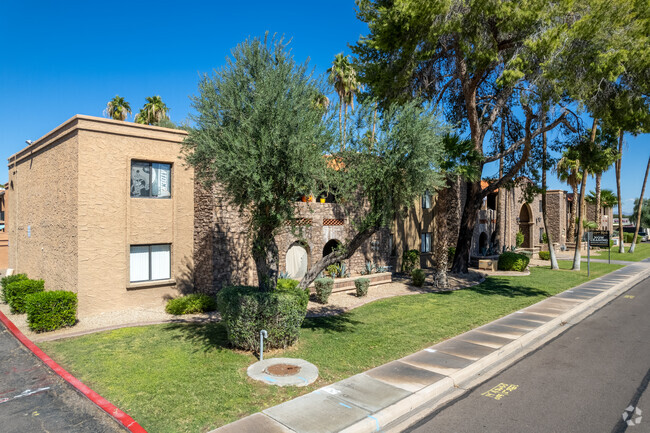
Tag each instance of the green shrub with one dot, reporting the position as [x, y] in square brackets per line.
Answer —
[191, 304]
[451, 252]
[519, 240]
[418, 276]
[15, 293]
[627, 238]
[410, 260]
[512, 262]
[545, 255]
[544, 238]
[323, 288]
[332, 271]
[47, 311]
[245, 311]
[287, 285]
[7, 280]
[362, 284]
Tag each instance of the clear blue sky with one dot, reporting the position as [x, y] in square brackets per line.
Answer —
[59, 59]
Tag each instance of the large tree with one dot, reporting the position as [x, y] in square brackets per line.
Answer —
[476, 58]
[343, 77]
[568, 170]
[153, 112]
[260, 136]
[639, 207]
[375, 182]
[117, 108]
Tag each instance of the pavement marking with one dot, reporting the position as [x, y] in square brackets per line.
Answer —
[430, 350]
[499, 391]
[331, 390]
[376, 422]
[345, 405]
[629, 296]
[270, 379]
[25, 393]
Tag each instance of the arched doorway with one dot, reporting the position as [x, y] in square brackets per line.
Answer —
[297, 261]
[525, 224]
[330, 246]
[483, 243]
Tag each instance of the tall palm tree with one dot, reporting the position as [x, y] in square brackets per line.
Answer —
[568, 170]
[154, 111]
[604, 155]
[640, 207]
[344, 79]
[117, 108]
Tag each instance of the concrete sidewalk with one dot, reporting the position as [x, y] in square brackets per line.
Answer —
[387, 397]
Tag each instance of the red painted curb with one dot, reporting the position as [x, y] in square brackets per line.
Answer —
[100, 401]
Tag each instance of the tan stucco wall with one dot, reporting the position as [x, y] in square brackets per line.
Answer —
[407, 230]
[42, 219]
[72, 188]
[110, 220]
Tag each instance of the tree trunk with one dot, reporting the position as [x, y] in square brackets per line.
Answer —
[440, 254]
[498, 241]
[638, 212]
[549, 238]
[621, 247]
[467, 223]
[571, 230]
[266, 257]
[335, 256]
[341, 124]
[581, 208]
[374, 125]
[345, 125]
[599, 216]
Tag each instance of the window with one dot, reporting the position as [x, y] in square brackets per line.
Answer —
[151, 179]
[391, 244]
[150, 262]
[425, 246]
[541, 208]
[541, 235]
[426, 200]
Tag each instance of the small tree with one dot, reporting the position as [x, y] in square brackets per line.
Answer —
[259, 135]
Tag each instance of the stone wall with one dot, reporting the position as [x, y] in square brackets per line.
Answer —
[222, 246]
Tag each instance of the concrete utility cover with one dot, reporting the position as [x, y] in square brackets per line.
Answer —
[284, 372]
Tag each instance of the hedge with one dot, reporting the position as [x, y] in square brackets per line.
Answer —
[545, 255]
[246, 310]
[323, 288]
[362, 284]
[418, 276]
[509, 261]
[410, 260]
[7, 280]
[191, 304]
[48, 311]
[15, 293]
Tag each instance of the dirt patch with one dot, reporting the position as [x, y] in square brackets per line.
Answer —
[282, 370]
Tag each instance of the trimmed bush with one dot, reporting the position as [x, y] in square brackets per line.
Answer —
[627, 238]
[323, 288]
[191, 304]
[48, 311]
[7, 280]
[545, 255]
[245, 311]
[418, 276]
[513, 262]
[410, 260]
[519, 239]
[15, 293]
[362, 284]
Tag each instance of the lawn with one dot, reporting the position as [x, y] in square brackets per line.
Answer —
[183, 378]
[641, 251]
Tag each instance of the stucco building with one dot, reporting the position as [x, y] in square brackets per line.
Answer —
[103, 208]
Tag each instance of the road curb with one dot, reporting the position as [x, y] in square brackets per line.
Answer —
[119, 415]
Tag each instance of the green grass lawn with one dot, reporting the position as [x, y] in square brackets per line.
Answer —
[641, 251]
[183, 378]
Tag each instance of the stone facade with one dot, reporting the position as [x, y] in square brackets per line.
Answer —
[223, 250]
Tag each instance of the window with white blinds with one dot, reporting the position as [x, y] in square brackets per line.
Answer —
[426, 243]
[150, 262]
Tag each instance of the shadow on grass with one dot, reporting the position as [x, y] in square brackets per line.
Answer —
[330, 324]
[208, 336]
[508, 288]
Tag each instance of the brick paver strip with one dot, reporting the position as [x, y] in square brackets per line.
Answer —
[100, 401]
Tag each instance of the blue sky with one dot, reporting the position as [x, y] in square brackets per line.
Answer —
[59, 59]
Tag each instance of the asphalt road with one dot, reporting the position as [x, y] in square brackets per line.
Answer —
[34, 399]
[582, 381]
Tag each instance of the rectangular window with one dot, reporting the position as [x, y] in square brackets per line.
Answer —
[426, 200]
[425, 246]
[541, 235]
[150, 262]
[151, 179]
[391, 244]
[541, 208]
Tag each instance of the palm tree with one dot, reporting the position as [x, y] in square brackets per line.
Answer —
[117, 108]
[640, 207]
[601, 159]
[320, 102]
[568, 170]
[344, 79]
[154, 111]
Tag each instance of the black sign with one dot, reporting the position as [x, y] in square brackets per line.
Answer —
[599, 238]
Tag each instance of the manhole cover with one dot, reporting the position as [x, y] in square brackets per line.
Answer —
[283, 369]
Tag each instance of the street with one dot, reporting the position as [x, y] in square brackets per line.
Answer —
[581, 381]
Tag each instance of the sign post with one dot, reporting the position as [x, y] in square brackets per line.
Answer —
[600, 238]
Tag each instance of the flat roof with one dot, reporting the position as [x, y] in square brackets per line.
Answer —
[99, 124]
